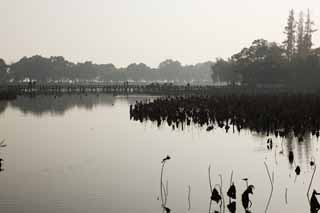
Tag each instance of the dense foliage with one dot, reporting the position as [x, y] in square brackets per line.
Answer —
[279, 114]
[55, 69]
[294, 63]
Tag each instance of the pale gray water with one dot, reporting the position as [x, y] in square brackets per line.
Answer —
[83, 154]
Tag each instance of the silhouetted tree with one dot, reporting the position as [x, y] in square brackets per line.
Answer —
[223, 71]
[57, 69]
[2, 63]
[290, 30]
[307, 39]
[3, 70]
[300, 36]
[260, 63]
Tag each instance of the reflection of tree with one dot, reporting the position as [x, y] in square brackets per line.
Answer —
[2, 145]
[279, 115]
[289, 143]
[58, 105]
[3, 106]
[302, 150]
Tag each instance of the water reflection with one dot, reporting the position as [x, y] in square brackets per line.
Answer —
[256, 114]
[314, 203]
[57, 105]
[112, 169]
[2, 145]
[217, 196]
[3, 106]
[280, 115]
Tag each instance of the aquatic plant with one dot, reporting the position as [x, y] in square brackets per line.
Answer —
[281, 114]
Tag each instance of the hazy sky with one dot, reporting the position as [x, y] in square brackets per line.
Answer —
[148, 31]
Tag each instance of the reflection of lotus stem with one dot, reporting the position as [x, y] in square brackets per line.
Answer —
[223, 205]
[165, 194]
[167, 188]
[210, 184]
[189, 202]
[161, 184]
[231, 178]
[220, 189]
[210, 206]
[209, 174]
[314, 171]
[271, 182]
[286, 196]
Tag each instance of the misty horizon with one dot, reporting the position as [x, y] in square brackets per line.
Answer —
[124, 32]
[110, 63]
[159, 106]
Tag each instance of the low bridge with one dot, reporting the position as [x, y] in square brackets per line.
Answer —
[152, 89]
[101, 88]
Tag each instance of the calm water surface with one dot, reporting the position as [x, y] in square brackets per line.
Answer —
[83, 154]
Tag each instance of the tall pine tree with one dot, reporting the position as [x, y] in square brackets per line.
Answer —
[300, 36]
[308, 31]
[290, 31]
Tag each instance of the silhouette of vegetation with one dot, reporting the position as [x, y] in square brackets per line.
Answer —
[3, 71]
[269, 143]
[232, 207]
[268, 64]
[8, 95]
[281, 115]
[2, 145]
[291, 157]
[314, 203]
[58, 69]
[216, 195]
[297, 170]
[232, 194]
[245, 199]
[57, 105]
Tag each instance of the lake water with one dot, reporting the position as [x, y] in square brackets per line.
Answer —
[78, 154]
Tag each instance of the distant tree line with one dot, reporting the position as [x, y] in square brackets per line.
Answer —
[293, 63]
[58, 69]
